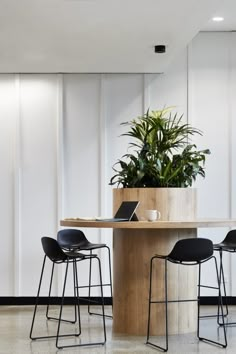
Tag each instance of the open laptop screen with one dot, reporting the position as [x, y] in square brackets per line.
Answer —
[124, 213]
[126, 210]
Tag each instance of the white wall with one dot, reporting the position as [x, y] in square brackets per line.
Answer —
[211, 108]
[59, 137]
[8, 115]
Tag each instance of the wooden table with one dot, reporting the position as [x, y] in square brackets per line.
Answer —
[134, 243]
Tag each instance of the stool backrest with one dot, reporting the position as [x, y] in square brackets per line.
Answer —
[191, 250]
[52, 249]
[69, 237]
[230, 237]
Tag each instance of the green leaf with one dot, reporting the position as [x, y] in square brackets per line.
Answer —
[155, 138]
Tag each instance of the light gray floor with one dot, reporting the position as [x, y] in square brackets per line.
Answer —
[15, 325]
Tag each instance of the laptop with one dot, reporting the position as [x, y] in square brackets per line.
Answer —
[125, 212]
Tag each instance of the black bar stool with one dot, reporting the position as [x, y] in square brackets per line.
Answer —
[227, 245]
[54, 252]
[193, 251]
[73, 239]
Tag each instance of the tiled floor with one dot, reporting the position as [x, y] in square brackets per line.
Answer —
[15, 325]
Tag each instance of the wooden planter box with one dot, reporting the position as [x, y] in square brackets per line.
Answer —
[173, 203]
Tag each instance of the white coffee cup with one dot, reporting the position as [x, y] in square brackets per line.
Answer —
[152, 215]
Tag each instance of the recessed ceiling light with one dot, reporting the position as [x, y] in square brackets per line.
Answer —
[218, 19]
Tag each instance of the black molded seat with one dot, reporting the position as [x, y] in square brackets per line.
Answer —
[193, 251]
[74, 239]
[228, 244]
[54, 252]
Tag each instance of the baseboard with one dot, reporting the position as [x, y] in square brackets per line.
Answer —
[69, 300]
[213, 300]
[54, 300]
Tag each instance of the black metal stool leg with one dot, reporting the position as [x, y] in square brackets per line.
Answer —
[103, 310]
[76, 296]
[61, 307]
[90, 285]
[110, 274]
[166, 304]
[76, 288]
[149, 302]
[57, 336]
[224, 345]
[164, 349]
[49, 296]
[221, 304]
[79, 320]
[37, 299]
[224, 287]
[222, 279]
[198, 301]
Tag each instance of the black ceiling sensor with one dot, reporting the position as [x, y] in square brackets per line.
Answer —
[160, 48]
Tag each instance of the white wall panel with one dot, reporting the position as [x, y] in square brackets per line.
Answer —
[169, 88]
[38, 180]
[209, 110]
[232, 123]
[81, 143]
[232, 141]
[123, 102]
[81, 117]
[8, 117]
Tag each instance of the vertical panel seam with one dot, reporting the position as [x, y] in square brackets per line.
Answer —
[60, 164]
[187, 83]
[60, 148]
[102, 150]
[17, 190]
[146, 93]
[230, 96]
[230, 120]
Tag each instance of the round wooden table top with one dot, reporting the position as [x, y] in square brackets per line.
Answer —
[191, 224]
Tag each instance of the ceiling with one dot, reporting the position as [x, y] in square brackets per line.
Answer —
[94, 36]
[227, 10]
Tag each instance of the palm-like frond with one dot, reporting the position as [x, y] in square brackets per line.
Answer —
[163, 156]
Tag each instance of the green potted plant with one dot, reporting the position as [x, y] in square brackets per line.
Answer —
[162, 153]
[161, 163]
